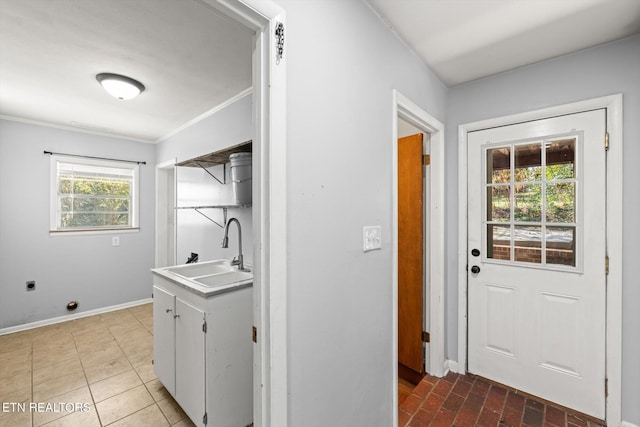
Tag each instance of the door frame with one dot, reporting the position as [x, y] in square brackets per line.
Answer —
[270, 310]
[613, 104]
[434, 222]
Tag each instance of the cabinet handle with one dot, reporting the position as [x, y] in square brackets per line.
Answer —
[175, 316]
[169, 310]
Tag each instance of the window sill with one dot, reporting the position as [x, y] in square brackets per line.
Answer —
[92, 231]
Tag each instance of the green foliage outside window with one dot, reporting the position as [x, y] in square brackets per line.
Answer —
[528, 194]
[94, 199]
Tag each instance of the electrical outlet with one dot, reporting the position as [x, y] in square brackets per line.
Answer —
[371, 238]
[31, 285]
[115, 241]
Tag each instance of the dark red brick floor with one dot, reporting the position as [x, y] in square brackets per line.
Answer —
[463, 400]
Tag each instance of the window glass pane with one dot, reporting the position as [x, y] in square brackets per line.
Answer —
[93, 220]
[499, 242]
[561, 202]
[528, 244]
[89, 185]
[560, 159]
[528, 203]
[522, 191]
[499, 165]
[94, 196]
[77, 204]
[498, 203]
[561, 245]
[528, 165]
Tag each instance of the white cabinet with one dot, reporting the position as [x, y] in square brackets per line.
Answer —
[190, 358]
[203, 352]
[164, 338]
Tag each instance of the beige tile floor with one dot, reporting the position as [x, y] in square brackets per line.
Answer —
[94, 371]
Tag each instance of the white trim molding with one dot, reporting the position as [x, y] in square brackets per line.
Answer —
[410, 112]
[68, 317]
[206, 114]
[613, 104]
[450, 366]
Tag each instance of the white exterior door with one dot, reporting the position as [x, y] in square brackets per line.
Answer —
[537, 249]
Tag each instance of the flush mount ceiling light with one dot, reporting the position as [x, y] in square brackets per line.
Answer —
[121, 87]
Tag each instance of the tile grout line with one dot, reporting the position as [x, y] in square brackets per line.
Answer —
[32, 369]
[142, 380]
[69, 329]
[84, 371]
[133, 413]
[134, 370]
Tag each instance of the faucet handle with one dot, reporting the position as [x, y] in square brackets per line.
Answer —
[235, 261]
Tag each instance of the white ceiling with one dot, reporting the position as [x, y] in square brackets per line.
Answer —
[191, 58]
[464, 40]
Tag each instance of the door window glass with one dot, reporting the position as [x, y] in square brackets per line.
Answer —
[531, 200]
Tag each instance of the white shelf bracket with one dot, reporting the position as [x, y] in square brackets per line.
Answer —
[224, 172]
[224, 216]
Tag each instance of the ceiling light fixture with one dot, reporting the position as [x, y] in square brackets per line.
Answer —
[118, 86]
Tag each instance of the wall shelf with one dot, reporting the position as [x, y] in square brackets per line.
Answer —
[216, 158]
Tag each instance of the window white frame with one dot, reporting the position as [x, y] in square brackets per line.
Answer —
[54, 218]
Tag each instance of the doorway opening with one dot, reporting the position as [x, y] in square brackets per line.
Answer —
[263, 18]
[413, 266]
[408, 117]
[165, 214]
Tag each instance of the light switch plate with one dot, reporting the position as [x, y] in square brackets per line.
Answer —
[371, 238]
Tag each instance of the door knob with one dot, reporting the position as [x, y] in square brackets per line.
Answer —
[475, 269]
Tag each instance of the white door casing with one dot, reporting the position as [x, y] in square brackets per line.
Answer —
[536, 308]
[405, 109]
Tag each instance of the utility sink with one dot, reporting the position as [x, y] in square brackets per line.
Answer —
[220, 279]
[207, 278]
[202, 269]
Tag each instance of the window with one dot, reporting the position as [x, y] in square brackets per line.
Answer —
[93, 195]
[531, 200]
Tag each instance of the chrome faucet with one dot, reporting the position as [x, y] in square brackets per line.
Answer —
[239, 261]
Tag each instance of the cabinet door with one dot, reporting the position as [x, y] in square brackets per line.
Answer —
[164, 333]
[190, 366]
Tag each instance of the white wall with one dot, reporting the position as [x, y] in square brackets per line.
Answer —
[229, 126]
[605, 70]
[342, 65]
[195, 233]
[83, 268]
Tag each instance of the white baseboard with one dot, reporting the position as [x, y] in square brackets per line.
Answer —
[628, 424]
[74, 316]
[450, 366]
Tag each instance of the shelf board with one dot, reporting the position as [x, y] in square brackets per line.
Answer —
[218, 157]
[214, 207]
